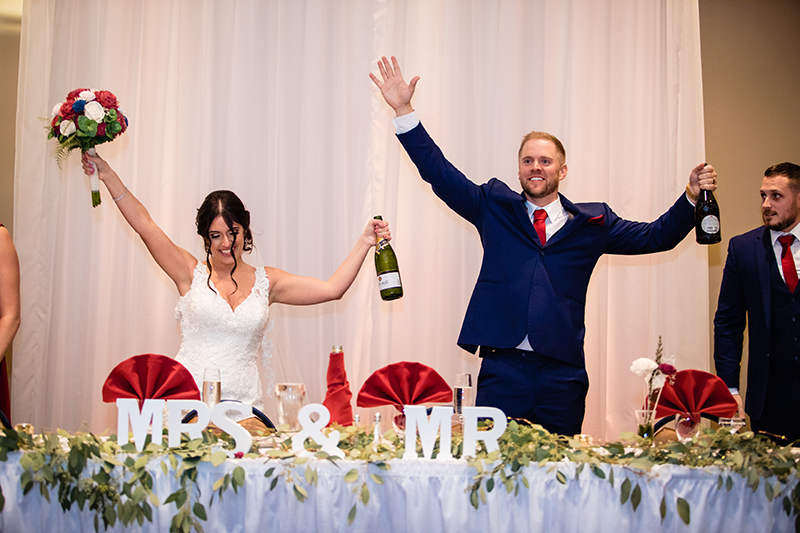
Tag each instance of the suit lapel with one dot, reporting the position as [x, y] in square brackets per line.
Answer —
[575, 218]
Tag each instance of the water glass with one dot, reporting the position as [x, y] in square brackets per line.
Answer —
[462, 393]
[212, 389]
[291, 397]
[732, 424]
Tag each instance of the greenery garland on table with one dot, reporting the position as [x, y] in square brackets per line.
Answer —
[120, 488]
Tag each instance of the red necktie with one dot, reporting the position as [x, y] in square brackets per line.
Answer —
[787, 261]
[538, 224]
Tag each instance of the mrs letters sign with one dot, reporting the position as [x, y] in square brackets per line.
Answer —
[418, 423]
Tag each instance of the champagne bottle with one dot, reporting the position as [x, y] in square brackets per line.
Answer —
[389, 284]
[706, 218]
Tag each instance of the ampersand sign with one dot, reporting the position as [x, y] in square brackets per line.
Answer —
[313, 430]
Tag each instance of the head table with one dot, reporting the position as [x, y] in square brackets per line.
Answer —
[283, 493]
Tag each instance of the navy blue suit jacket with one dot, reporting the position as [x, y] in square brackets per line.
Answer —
[745, 298]
[524, 288]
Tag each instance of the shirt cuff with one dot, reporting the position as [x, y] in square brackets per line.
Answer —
[733, 390]
[405, 123]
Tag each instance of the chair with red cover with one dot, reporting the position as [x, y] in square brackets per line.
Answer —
[404, 383]
[695, 391]
[150, 376]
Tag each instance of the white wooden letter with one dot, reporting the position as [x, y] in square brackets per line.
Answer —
[128, 410]
[242, 437]
[176, 425]
[439, 424]
[471, 433]
[313, 430]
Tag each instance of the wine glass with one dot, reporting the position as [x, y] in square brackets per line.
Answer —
[687, 425]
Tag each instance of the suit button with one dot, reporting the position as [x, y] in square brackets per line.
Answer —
[542, 254]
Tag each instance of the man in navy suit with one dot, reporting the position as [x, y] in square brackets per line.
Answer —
[527, 309]
[759, 289]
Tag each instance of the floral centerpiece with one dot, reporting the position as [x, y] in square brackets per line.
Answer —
[85, 119]
[655, 372]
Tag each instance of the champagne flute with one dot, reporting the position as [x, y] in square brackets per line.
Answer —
[212, 389]
[462, 393]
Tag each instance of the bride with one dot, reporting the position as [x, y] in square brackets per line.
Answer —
[223, 310]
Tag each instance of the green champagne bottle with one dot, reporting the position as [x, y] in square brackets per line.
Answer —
[389, 284]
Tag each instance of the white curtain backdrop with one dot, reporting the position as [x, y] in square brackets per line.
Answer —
[271, 99]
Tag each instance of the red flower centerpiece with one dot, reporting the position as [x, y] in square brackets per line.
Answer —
[85, 119]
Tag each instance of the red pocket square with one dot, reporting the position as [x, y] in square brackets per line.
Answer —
[404, 383]
[150, 376]
[695, 391]
[599, 220]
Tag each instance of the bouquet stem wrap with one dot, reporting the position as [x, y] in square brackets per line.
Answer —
[94, 179]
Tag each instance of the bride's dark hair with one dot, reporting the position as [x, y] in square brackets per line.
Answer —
[227, 205]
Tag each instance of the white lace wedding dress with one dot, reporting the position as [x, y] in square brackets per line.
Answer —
[232, 340]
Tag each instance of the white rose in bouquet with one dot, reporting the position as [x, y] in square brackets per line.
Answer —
[643, 367]
[94, 111]
[67, 128]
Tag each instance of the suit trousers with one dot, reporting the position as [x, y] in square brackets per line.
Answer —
[533, 387]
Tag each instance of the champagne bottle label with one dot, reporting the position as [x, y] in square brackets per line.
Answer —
[710, 224]
[388, 280]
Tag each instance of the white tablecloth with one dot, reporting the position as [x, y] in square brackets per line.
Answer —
[430, 496]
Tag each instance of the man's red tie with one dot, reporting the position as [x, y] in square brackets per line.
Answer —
[538, 224]
[787, 261]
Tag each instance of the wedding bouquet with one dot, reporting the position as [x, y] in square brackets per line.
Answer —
[85, 119]
[655, 373]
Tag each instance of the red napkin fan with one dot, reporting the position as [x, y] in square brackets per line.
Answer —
[150, 376]
[404, 383]
[338, 396]
[695, 391]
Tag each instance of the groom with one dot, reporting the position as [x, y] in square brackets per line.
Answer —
[527, 308]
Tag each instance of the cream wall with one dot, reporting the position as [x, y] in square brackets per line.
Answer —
[751, 79]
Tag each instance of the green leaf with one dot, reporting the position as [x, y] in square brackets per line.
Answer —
[273, 484]
[299, 492]
[729, 484]
[309, 475]
[636, 497]
[351, 476]
[364, 494]
[473, 498]
[141, 462]
[269, 472]
[238, 477]
[489, 485]
[683, 511]
[376, 478]
[625, 491]
[199, 511]
[164, 468]
[383, 465]
[768, 492]
[219, 457]
[351, 516]
[663, 508]
[598, 472]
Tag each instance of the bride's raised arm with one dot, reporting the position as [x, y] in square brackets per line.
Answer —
[301, 290]
[174, 260]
